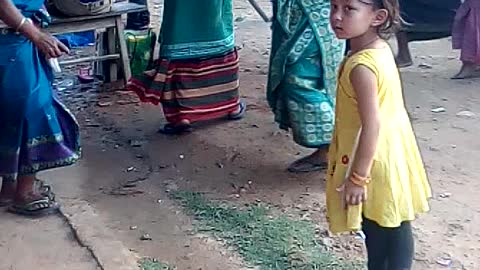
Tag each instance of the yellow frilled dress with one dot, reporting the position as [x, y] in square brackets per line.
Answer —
[399, 189]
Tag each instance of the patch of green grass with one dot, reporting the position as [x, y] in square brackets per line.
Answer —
[272, 243]
[150, 264]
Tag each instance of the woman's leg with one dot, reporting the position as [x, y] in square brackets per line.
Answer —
[180, 127]
[404, 58]
[9, 188]
[317, 161]
[320, 156]
[31, 201]
[7, 193]
[25, 189]
[468, 70]
[377, 245]
[401, 248]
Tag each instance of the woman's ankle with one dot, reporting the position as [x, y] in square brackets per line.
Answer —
[25, 187]
[466, 71]
[8, 190]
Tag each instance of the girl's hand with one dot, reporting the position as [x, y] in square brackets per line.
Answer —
[352, 194]
[50, 46]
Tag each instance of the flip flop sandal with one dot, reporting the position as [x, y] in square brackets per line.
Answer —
[84, 76]
[43, 188]
[171, 129]
[241, 114]
[305, 166]
[50, 196]
[37, 208]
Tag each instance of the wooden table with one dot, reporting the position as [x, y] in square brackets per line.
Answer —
[112, 46]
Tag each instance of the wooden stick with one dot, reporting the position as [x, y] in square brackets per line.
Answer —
[90, 59]
[260, 11]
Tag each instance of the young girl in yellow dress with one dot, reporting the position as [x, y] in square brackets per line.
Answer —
[376, 182]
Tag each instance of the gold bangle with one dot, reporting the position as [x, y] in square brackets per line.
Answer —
[22, 23]
[359, 183]
[358, 180]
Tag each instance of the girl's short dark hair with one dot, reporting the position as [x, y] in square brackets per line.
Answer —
[392, 24]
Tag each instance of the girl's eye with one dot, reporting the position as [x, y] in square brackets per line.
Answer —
[349, 8]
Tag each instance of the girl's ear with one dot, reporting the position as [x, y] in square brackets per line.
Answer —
[380, 18]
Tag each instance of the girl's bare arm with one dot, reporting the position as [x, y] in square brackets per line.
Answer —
[364, 82]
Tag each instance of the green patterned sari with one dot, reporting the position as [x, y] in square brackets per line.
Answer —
[304, 60]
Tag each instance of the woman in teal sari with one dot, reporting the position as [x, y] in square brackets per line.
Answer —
[196, 76]
[38, 133]
[302, 80]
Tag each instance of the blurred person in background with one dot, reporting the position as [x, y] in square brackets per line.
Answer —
[423, 20]
[196, 76]
[466, 37]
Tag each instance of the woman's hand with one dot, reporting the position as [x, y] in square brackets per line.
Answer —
[50, 46]
[46, 43]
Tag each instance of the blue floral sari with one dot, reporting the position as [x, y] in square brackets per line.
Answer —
[37, 131]
[304, 60]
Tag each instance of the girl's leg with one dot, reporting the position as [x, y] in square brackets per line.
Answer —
[401, 248]
[377, 245]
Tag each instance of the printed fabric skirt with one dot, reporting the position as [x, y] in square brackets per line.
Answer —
[466, 31]
[37, 131]
[196, 89]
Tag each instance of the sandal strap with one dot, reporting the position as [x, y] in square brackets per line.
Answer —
[35, 205]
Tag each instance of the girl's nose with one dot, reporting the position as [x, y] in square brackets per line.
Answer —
[335, 15]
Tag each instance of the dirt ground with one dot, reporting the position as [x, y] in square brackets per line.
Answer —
[122, 147]
[24, 248]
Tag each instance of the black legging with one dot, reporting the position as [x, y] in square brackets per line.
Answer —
[389, 248]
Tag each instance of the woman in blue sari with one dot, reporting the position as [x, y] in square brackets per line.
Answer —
[38, 133]
[301, 87]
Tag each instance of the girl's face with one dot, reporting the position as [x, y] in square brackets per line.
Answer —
[353, 18]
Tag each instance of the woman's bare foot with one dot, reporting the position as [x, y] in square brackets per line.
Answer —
[317, 161]
[468, 70]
